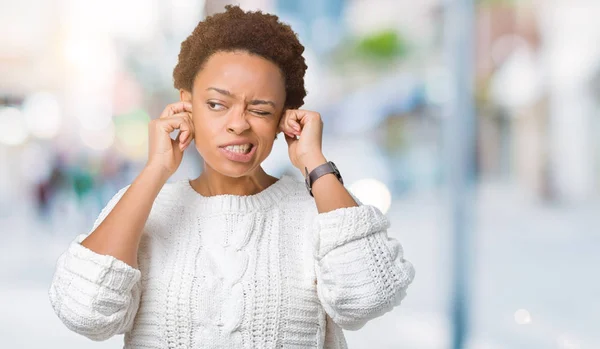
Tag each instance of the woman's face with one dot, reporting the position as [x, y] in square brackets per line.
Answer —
[236, 98]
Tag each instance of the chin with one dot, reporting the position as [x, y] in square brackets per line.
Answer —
[236, 173]
[233, 169]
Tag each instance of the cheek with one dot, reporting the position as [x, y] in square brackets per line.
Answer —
[265, 130]
[205, 127]
[267, 139]
[204, 134]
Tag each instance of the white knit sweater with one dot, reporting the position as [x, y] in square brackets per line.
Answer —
[258, 271]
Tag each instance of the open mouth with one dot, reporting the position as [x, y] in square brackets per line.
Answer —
[239, 153]
[240, 149]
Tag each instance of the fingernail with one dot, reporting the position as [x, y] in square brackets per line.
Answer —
[296, 127]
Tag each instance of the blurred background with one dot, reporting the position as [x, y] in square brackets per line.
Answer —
[474, 125]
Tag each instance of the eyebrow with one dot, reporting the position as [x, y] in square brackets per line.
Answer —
[252, 102]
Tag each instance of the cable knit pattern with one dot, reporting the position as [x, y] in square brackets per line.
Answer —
[258, 271]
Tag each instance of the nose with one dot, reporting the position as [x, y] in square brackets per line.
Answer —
[237, 122]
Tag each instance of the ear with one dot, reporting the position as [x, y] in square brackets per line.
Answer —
[185, 96]
[280, 119]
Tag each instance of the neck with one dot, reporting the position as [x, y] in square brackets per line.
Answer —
[211, 183]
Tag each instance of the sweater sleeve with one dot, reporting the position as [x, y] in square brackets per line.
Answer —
[95, 295]
[361, 272]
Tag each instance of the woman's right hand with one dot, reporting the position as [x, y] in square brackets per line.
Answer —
[163, 152]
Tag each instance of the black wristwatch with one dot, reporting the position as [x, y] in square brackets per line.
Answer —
[319, 171]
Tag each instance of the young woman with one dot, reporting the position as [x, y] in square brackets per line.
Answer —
[235, 258]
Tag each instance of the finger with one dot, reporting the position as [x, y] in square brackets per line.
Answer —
[186, 137]
[290, 139]
[181, 107]
[186, 134]
[303, 117]
[294, 125]
[287, 123]
[187, 126]
[176, 108]
[193, 130]
[288, 130]
[176, 122]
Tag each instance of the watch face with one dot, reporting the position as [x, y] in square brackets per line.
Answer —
[307, 181]
[337, 172]
[334, 167]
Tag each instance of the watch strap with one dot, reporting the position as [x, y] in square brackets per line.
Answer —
[320, 171]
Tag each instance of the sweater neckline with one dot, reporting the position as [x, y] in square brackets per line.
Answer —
[241, 203]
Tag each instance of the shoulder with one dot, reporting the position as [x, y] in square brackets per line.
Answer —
[171, 195]
[174, 194]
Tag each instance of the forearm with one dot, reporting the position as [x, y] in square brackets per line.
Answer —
[361, 272]
[94, 295]
[328, 192]
[363, 279]
[120, 232]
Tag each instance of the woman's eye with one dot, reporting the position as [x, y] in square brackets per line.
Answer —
[215, 106]
[260, 112]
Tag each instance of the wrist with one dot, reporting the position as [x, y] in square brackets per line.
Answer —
[157, 171]
[312, 161]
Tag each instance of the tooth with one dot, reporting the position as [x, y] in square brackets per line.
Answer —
[242, 148]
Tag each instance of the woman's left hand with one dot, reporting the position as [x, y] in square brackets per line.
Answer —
[305, 151]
